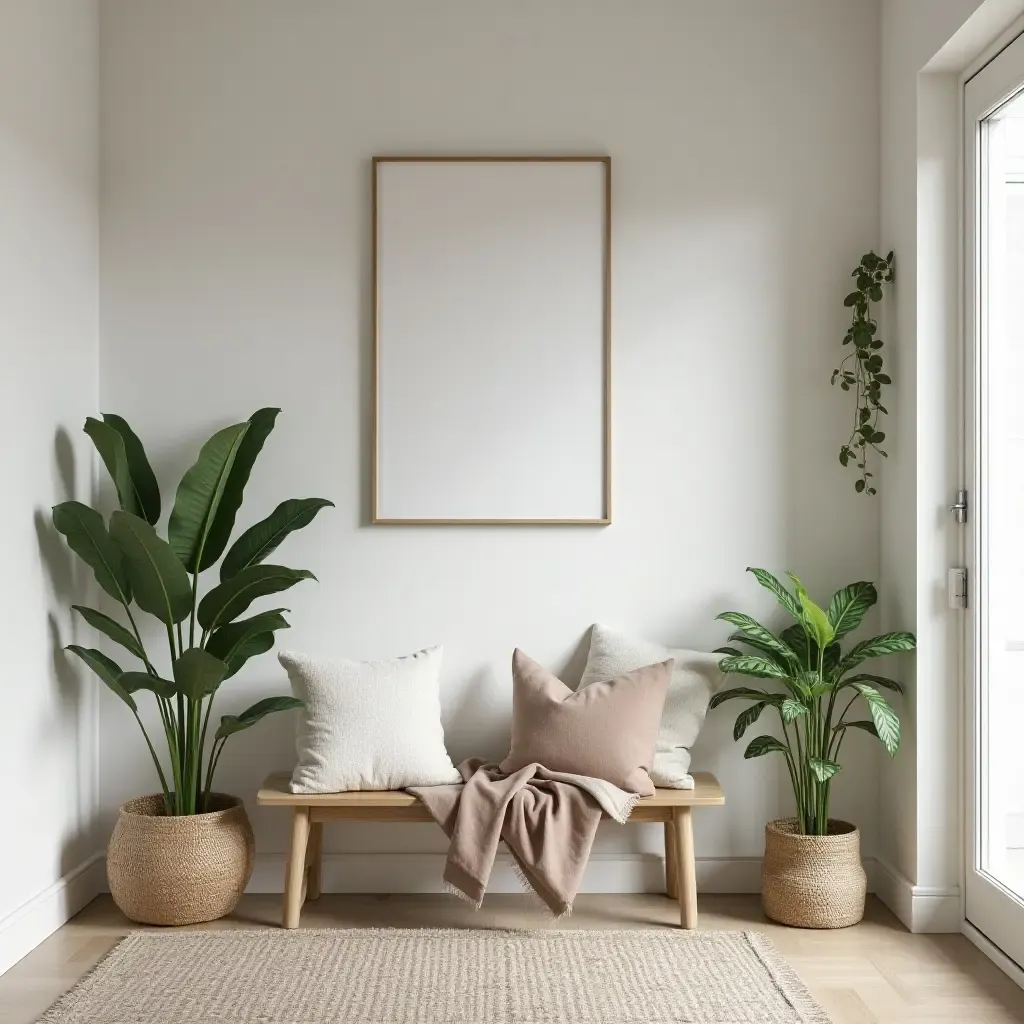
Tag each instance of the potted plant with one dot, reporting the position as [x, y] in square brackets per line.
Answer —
[184, 855]
[812, 875]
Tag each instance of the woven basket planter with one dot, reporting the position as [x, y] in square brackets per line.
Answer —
[813, 881]
[179, 870]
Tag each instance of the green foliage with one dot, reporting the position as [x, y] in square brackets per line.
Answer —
[229, 599]
[87, 536]
[140, 472]
[807, 661]
[199, 496]
[159, 581]
[861, 370]
[114, 630]
[261, 541]
[136, 566]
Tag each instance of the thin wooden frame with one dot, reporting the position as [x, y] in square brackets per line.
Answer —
[605, 519]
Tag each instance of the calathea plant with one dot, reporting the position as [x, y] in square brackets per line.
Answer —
[816, 692]
[207, 640]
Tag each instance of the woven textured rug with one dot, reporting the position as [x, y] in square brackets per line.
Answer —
[414, 976]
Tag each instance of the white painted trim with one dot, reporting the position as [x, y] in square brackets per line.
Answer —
[1009, 967]
[922, 908]
[992, 50]
[606, 872]
[37, 918]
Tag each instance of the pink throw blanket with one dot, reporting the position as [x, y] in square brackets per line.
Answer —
[547, 820]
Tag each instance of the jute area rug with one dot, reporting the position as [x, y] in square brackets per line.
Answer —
[415, 976]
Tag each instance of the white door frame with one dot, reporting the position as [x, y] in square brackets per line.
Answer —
[987, 906]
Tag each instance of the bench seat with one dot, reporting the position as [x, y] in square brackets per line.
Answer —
[303, 872]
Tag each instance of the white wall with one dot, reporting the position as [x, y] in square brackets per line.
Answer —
[48, 342]
[236, 139]
[925, 46]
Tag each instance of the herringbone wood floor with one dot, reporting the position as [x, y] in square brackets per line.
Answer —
[874, 973]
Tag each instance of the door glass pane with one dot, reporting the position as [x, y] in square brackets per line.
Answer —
[1002, 421]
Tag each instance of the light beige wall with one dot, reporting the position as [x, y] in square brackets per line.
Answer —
[236, 139]
[48, 354]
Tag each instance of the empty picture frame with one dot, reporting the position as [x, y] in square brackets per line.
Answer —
[491, 360]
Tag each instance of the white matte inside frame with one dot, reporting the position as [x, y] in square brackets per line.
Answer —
[490, 323]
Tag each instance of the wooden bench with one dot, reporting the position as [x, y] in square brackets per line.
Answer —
[303, 872]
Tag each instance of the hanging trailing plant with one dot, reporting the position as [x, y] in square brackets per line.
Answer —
[861, 371]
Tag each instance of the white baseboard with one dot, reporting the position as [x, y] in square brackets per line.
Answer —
[1009, 967]
[421, 873]
[24, 928]
[922, 908]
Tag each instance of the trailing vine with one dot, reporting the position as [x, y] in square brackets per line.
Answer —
[861, 370]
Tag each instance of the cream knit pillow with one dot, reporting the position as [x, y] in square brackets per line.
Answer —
[368, 724]
[695, 677]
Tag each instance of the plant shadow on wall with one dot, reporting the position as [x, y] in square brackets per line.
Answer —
[817, 699]
[207, 641]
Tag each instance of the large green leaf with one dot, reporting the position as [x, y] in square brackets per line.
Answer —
[791, 709]
[140, 472]
[106, 625]
[848, 606]
[886, 722]
[784, 597]
[746, 718]
[229, 599]
[197, 673]
[823, 770]
[230, 724]
[807, 649]
[796, 639]
[741, 693]
[784, 662]
[135, 681]
[198, 498]
[87, 536]
[225, 642]
[868, 727]
[832, 655]
[884, 681]
[728, 650]
[814, 617]
[110, 444]
[762, 638]
[159, 581]
[107, 669]
[748, 665]
[876, 647]
[260, 424]
[260, 541]
[760, 745]
[257, 644]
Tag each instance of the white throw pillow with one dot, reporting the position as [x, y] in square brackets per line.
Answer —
[695, 677]
[368, 724]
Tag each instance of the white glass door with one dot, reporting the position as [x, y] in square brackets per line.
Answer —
[994, 340]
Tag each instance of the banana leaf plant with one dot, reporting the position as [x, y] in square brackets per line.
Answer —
[207, 639]
[816, 693]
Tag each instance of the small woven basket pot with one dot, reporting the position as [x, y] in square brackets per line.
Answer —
[813, 881]
[179, 870]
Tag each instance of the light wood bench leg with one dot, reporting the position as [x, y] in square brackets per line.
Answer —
[671, 862]
[295, 872]
[686, 865]
[315, 858]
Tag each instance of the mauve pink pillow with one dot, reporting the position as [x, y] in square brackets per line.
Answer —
[606, 730]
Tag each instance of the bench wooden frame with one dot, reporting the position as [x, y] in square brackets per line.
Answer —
[304, 869]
